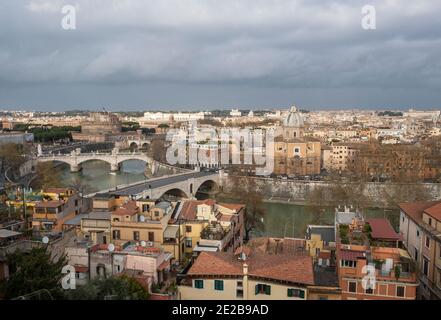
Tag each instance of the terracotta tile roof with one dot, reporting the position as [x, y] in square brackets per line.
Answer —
[325, 255]
[221, 263]
[49, 204]
[243, 249]
[224, 217]
[282, 267]
[127, 209]
[81, 269]
[415, 209]
[56, 190]
[164, 265]
[189, 208]
[351, 255]
[382, 229]
[434, 211]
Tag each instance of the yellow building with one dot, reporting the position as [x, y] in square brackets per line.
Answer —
[294, 153]
[211, 226]
[129, 223]
[247, 275]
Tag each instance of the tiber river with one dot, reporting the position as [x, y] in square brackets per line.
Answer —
[281, 219]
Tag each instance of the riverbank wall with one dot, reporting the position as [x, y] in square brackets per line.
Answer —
[366, 193]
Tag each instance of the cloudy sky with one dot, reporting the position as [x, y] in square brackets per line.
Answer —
[206, 54]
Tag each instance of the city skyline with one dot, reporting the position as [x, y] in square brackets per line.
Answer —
[135, 55]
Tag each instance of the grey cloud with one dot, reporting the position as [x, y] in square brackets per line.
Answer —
[210, 53]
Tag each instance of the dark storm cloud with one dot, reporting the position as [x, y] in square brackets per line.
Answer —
[210, 53]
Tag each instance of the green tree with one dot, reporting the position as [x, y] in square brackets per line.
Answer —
[32, 271]
[115, 288]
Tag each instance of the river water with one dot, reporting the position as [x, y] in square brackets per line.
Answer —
[281, 219]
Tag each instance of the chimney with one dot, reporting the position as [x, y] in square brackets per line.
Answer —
[245, 269]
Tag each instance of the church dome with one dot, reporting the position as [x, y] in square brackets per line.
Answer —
[294, 118]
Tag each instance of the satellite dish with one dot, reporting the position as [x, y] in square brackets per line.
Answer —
[143, 243]
[141, 218]
[45, 240]
[111, 247]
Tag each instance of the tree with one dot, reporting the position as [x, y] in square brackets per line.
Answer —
[115, 288]
[79, 185]
[32, 271]
[246, 188]
[316, 204]
[47, 176]
[12, 155]
[158, 150]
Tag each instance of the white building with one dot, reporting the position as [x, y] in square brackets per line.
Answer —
[235, 113]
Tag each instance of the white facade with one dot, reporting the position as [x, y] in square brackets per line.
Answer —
[412, 236]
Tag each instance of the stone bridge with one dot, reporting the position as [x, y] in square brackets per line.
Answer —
[183, 185]
[115, 158]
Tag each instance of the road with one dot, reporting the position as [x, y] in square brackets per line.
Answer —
[157, 183]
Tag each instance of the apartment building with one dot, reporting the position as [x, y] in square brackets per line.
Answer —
[370, 264]
[129, 223]
[50, 215]
[342, 156]
[247, 275]
[211, 226]
[420, 227]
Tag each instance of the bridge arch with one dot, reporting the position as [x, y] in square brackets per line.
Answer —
[174, 193]
[133, 146]
[143, 159]
[208, 185]
[80, 161]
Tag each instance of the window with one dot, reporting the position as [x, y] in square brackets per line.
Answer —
[116, 234]
[199, 284]
[348, 264]
[76, 203]
[400, 291]
[296, 293]
[145, 207]
[219, 285]
[427, 242]
[239, 284]
[418, 233]
[263, 289]
[416, 254]
[352, 287]
[430, 221]
[296, 150]
[188, 243]
[187, 228]
[426, 266]
[239, 293]
[151, 236]
[369, 291]
[136, 235]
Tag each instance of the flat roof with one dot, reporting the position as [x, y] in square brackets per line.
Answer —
[76, 221]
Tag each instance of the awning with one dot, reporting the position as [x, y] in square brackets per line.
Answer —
[171, 232]
[208, 249]
[4, 233]
[404, 254]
